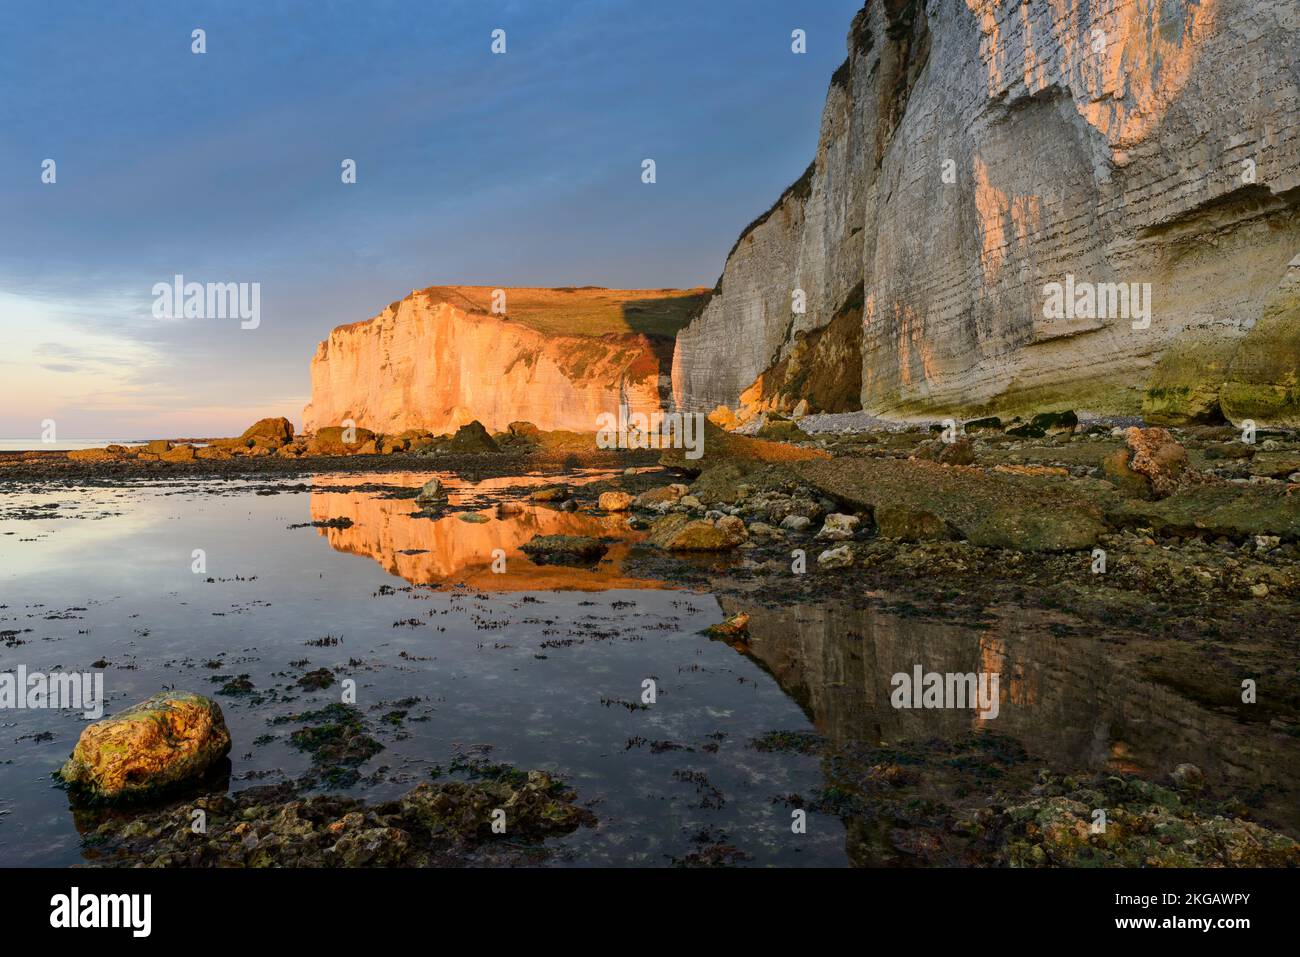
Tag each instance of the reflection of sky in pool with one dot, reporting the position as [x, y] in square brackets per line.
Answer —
[538, 675]
[538, 663]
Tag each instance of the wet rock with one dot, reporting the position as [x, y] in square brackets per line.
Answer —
[371, 847]
[316, 680]
[1224, 510]
[179, 453]
[1229, 450]
[910, 524]
[960, 452]
[736, 483]
[434, 824]
[989, 510]
[156, 745]
[1026, 431]
[472, 437]
[838, 527]
[839, 557]
[431, 491]
[336, 440]
[1055, 423]
[1117, 471]
[614, 501]
[214, 453]
[1156, 455]
[525, 431]
[550, 493]
[1022, 529]
[1146, 826]
[796, 523]
[94, 455]
[733, 628]
[681, 533]
[564, 549]
[278, 430]
[664, 495]
[1275, 464]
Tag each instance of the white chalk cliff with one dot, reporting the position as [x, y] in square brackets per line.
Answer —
[974, 151]
[435, 361]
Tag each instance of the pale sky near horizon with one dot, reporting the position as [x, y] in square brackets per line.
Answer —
[522, 169]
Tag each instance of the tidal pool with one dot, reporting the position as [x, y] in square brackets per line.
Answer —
[483, 666]
[534, 666]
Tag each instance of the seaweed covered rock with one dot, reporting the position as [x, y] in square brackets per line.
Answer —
[154, 746]
[564, 549]
[335, 440]
[431, 492]
[1147, 825]
[681, 533]
[988, 510]
[472, 437]
[433, 825]
[1151, 466]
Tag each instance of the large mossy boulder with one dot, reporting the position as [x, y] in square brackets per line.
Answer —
[1151, 466]
[1263, 382]
[431, 492]
[472, 437]
[150, 748]
[682, 533]
[277, 430]
[1024, 513]
[1232, 511]
[334, 440]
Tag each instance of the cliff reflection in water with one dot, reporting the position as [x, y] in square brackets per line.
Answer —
[1072, 701]
[448, 550]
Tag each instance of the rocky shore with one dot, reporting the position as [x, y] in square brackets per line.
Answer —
[1182, 546]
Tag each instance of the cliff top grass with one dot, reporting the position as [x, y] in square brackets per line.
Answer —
[584, 310]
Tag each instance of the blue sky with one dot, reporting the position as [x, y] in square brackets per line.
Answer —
[521, 169]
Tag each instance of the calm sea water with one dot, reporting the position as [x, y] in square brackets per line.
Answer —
[533, 666]
[508, 667]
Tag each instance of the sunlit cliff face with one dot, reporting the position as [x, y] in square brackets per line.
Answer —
[443, 357]
[450, 551]
[1124, 62]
